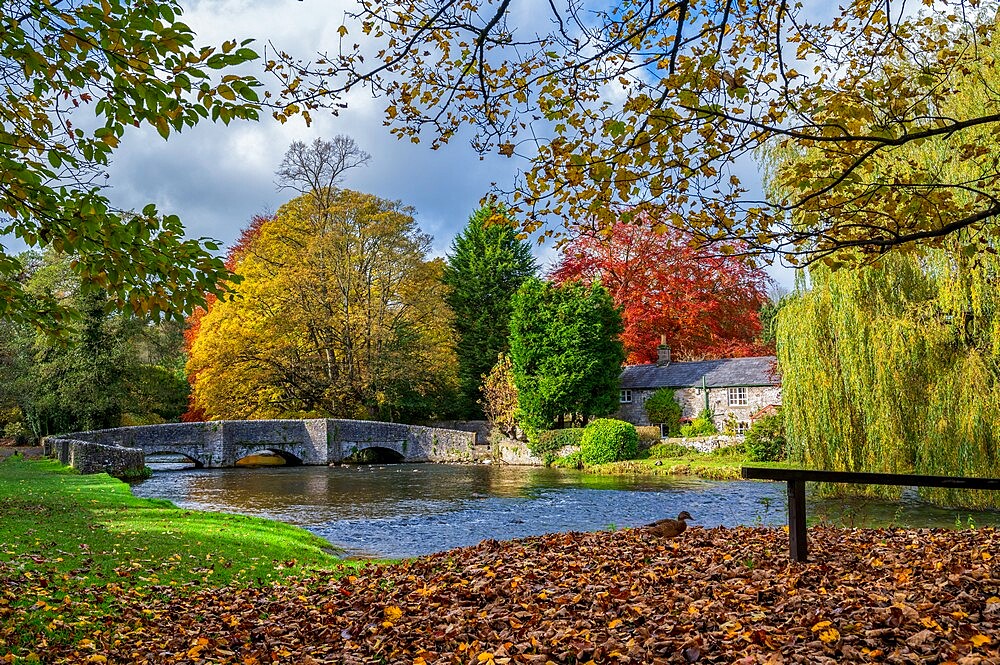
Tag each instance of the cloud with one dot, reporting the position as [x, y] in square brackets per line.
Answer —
[216, 177]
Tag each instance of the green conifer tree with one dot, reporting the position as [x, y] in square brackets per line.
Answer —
[486, 266]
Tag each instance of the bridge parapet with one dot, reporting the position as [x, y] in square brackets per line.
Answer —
[222, 443]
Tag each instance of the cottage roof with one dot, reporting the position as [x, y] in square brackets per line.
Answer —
[721, 373]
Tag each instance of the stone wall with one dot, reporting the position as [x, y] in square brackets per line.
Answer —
[317, 441]
[90, 457]
[692, 402]
[513, 452]
[482, 428]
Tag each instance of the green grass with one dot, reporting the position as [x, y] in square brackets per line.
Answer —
[676, 459]
[70, 544]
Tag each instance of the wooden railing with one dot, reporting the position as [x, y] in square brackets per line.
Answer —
[797, 479]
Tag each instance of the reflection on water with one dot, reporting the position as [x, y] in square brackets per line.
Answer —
[413, 509]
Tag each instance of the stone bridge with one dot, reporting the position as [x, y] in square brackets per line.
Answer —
[222, 443]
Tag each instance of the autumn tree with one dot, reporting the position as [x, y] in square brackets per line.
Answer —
[892, 366]
[76, 75]
[707, 306]
[339, 313]
[642, 107]
[486, 265]
[499, 400]
[565, 352]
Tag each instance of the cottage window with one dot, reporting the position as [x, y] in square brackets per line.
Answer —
[625, 397]
[738, 397]
[742, 427]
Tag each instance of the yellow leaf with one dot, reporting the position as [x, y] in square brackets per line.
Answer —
[820, 626]
[342, 30]
[97, 658]
[828, 636]
[980, 640]
[393, 613]
[485, 657]
[615, 623]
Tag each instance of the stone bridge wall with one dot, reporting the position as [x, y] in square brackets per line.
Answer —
[89, 457]
[222, 443]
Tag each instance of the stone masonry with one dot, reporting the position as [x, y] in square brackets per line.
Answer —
[222, 443]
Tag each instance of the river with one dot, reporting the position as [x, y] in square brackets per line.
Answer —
[406, 510]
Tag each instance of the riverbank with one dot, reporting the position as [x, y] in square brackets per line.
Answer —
[714, 596]
[70, 544]
[673, 459]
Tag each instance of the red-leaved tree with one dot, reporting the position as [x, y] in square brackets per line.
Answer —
[707, 306]
[235, 253]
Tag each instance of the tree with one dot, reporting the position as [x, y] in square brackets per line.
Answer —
[662, 408]
[107, 369]
[500, 396]
[644, 106]
[338, 313]
[486, 266]
[893, 368]
[316, 170]
[706, 306]
[565, 352]
[122, 63]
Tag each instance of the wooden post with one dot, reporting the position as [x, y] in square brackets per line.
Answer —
[797, 546]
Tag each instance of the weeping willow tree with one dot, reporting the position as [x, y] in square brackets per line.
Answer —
[894, 368]
[892, 365]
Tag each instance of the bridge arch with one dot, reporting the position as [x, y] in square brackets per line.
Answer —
[198, 464]
[370, 453]
[290, 459]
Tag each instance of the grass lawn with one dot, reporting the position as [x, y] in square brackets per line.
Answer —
[70, 544]
[674, 459]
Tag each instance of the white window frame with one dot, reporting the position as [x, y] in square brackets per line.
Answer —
[737, 396]
[742, 426]
[625, 396]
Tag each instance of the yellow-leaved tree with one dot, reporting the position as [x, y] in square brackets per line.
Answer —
[338, 313]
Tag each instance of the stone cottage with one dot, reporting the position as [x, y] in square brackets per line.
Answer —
[738, 386]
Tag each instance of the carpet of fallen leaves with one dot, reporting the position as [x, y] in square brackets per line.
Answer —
[710, 596]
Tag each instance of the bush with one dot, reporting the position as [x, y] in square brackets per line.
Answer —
[737, 451]
[765, 440]
[550, 442]
[662, 407]
[21, 435]
[671, 450]
[703, 425]
[572, 461]
[649, 435]
[609, 440]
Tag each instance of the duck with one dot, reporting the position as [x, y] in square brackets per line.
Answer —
[668, 528]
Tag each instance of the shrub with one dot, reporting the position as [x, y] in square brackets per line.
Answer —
[572, 461]
[662, 407]
[550, 442]
[670, 450]
[737, 451]
[703, 425]
[608, 440]
[765, 440]
[649, 435]
[21, 435]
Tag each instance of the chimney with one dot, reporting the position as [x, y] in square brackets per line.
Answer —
[663, 352]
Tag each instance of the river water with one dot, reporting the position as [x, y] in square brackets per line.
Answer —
[406, 510]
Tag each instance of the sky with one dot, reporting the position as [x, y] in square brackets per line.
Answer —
[216, 177]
